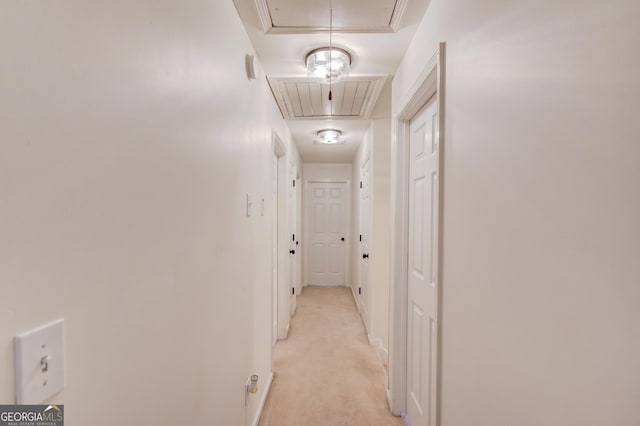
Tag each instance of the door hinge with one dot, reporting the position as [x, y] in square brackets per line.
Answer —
[293, 237]
[294, 183]
[360, 184]
[360, 237]
[293, 290]
[359, 290]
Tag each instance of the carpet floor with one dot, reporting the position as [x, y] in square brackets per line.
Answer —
[326, 373]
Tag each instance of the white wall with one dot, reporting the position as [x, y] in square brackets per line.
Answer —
[376, 144]
[334, 171]
[381, 233]
[540, 313]
[129, 137]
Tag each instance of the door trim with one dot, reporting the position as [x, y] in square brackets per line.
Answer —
[430, 82]
[305, 230]
[364, 303]
[282, 260]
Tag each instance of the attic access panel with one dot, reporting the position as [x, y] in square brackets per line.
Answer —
[354, 97]
[348, 16]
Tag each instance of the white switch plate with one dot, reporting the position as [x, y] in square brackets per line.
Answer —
[39, 359]
[249, 205]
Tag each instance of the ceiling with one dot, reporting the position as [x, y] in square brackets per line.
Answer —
[375, 32]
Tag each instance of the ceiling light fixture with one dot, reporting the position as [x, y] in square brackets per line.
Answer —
[329, 136]
[328, 63]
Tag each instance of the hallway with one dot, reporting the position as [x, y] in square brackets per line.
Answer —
[162, 162]
[326, 373]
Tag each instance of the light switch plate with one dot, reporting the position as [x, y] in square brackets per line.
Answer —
[39, 363]
[249, 205]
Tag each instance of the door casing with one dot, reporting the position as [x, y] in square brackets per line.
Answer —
[429, 83]
[282, 245]
[363, 291]
[293, 229]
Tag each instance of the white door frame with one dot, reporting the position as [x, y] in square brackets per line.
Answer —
[348, 233]
[366, 301]
[292, 213]
[299, 241]
[429, 83]
[282, 255]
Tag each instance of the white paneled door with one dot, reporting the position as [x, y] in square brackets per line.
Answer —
[327, 233]
[423, 263]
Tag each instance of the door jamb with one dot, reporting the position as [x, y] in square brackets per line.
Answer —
[282, 260]
[366, 157]
[430, 82]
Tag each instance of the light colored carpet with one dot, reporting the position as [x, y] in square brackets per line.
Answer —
[326, 373]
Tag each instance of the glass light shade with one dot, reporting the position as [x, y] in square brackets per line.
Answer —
[329, 136]
[325, 62]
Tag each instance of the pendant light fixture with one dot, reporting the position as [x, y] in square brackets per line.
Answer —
[328, 64]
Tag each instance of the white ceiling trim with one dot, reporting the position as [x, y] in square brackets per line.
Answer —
[264, 15]
[398, 14]
[310, 102]
[267, 22]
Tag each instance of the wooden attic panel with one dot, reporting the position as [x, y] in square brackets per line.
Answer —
[315, 90]
[315, 14]
[338, 96]
[360, 97]
[349, 96]
[306, 101]
[291, 90]
[324, 96]
[301, 98]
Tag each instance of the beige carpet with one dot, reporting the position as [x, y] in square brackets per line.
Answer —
[326, 373]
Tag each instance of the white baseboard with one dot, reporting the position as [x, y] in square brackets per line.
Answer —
[326, 285]
[355, 299]
[263, 400]
[383, 353]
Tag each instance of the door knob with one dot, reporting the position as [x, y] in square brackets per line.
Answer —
[342, 239]
[365, 255]
[292, 251]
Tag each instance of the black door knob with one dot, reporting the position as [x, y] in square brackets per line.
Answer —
[365, 255]
[292, 251]
[342, 239]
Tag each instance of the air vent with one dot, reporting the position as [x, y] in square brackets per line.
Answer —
[353, 97]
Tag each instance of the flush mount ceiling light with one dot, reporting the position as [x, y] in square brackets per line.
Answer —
[329, 136]
[328, 64]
